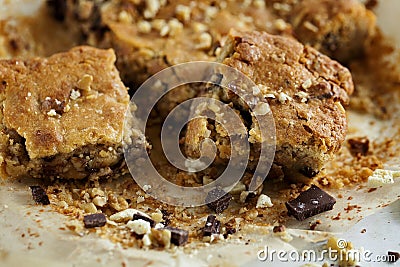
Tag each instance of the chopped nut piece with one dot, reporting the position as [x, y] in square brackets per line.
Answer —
[99, 201]
[126, 215]
[306, 84]
[139, 227]
[264, 201]
[138, 216]
[144, 26]
[75, 94]
[52, 113]
[382, 177]
[88, 207]
[157, 217]
[85, 82]
[146, 240]
[161, 237]
[183, 12]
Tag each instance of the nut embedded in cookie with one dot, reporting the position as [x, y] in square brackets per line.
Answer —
[305, 90]
[63, 116]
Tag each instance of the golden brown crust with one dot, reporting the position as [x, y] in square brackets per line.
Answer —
[305, 90]
[68, 103]
[149, 36]
[337, 28]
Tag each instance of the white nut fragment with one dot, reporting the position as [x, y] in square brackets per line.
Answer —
[126, 215]
[140, 199]
[280, 25]
[161, 237]
[243, 196]
[183, 12]
[175, 27]
[282, 97]
[144, 26]
[152, 7]
[140, 226]
[85, 82]
[261, 109]
[264, 201]
[204, 41]
[75, 94]
[146, 187]
[303, 96]
[99, 201]
[146, 240]
[310, 26]
[88, 207]
[157, 217]
[52, 112]
[306, 84]
[382, 177]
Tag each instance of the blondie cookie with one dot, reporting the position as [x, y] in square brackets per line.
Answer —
[340, 29]
[306, 92]
[150, 35]
[63, 116]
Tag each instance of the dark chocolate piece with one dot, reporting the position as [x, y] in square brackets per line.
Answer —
[179, 237]
[229, 231]
[222, 202]
[39, 195]
[310, 203]
[393, 256]
[359, 146]
[212, 226]
[138, 216]
[309, 172]
[279, 229]
[94, 220]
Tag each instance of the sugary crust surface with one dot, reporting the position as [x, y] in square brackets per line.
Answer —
[33, 88]
[149, 36]
[337, 28]
[68, 103]
[306, 92]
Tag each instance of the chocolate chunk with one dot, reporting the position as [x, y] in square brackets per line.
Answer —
[39, 195]
[212, 226]
[310, 203]
[359, 146]
[222, 202]
[229, 231]
[309, 172]
[393, 256]
[138, 216]
[178, 236]
[279, 229]
[58, 8]
[94, 220]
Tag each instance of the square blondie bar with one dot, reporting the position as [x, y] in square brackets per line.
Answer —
[62, 116]
[305, 90]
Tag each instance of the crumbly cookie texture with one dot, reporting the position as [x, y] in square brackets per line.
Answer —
[340, 29]
[306, 92]
[151, 35]
[62, 116]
